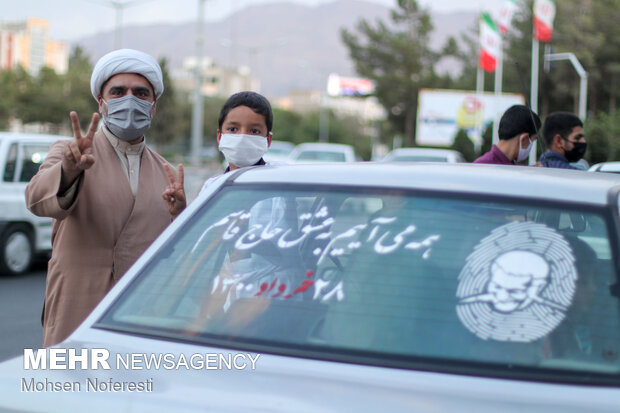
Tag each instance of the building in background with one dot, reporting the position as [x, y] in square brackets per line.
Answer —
[304, 101]
[217, 81]
[27, 44]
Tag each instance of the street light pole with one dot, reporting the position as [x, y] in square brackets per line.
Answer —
[119, 6]
[583, 76]
[197, 114]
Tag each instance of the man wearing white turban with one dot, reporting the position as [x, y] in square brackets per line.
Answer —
[103, 191]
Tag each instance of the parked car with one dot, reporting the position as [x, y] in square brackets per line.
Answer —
[279, 151]
[423, 155]
[22, 234]
[313, 152]
[613, 167]
[477, 288]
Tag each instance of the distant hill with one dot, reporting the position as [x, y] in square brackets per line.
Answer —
[288, 46]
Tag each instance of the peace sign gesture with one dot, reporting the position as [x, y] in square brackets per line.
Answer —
[79, 153]
[174, 194]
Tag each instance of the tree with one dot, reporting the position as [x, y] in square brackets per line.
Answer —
[464, 145]
[286, 125]
[487, 139]
[77, 88]
[163, 128]
[8, 97]
[399, 60]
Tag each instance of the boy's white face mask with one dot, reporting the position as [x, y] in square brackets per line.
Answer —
[242, 150]
[524, 153]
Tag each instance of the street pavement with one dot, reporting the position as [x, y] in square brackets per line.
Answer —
[21, 297]
[21, 302]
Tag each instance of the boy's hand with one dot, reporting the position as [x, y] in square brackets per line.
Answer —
[174, 194]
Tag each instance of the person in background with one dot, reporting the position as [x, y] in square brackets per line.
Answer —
[103, 190]
[518, 129]
[564, 139]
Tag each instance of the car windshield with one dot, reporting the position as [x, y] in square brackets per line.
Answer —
[325, 156]
[391, 277]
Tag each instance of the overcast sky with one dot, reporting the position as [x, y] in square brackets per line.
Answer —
[72, 19]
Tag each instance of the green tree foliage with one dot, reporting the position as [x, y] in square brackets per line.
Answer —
[8, 97]
[487, 139]
[164, 124]
[286, 125]
[464, 145]
[603, 134]
[398, 58]
[77, 89]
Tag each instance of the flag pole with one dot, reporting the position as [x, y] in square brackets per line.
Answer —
[534, 91]
[499, 70]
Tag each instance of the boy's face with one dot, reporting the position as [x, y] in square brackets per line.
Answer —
[243, 120]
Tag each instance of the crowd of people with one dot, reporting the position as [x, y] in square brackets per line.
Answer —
[104, 188]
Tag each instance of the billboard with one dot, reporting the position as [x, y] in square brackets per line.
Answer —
[441, 113]
[349, 86]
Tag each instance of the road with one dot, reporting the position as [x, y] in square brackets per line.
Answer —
[21, 298]
[21, 302]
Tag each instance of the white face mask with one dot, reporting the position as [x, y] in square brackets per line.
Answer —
[242, 150]
[524, 153]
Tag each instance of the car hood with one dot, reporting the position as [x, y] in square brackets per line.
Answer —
[282, 384]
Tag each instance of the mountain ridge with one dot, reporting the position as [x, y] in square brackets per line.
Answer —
[287, 45]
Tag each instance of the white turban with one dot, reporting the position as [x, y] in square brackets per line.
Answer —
[126, 61]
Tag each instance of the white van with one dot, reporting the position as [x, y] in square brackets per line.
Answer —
[22, 234]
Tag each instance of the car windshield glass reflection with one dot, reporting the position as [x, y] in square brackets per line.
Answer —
[388, 273]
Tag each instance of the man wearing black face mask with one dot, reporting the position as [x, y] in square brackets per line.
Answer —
[565, 141]
[103, 190]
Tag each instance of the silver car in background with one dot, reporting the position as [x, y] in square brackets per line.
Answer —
[314, 152]
[423, 155]
[457, 287]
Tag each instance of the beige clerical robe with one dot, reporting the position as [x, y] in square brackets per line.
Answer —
[102, 233]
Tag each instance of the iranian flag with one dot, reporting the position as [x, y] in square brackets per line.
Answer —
[490, 43]
[505, 15]
[544, 13]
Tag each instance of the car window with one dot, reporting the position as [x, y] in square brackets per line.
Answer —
[432, 279]
[32, 157]
[11, 164]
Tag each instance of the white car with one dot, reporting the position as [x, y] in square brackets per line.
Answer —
[613, 167]
[458, 288]
[423, 155]
[279, 151]
[313, 152]
[22, 234]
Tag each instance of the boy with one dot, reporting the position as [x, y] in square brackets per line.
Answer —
[517, 133]
[243, 136]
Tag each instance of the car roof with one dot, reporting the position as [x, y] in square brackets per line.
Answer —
[425, 151]
[577, 187]
[323, 146]
[606, 167]
[31, 137]
[282, 144]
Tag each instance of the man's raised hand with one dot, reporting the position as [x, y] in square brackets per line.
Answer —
[79, 153]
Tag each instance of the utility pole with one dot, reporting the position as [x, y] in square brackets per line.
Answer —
[119, 6]
[197, 114]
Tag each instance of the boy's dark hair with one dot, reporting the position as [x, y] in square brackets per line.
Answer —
[255, 101]
[518, 119]
[559, 123]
